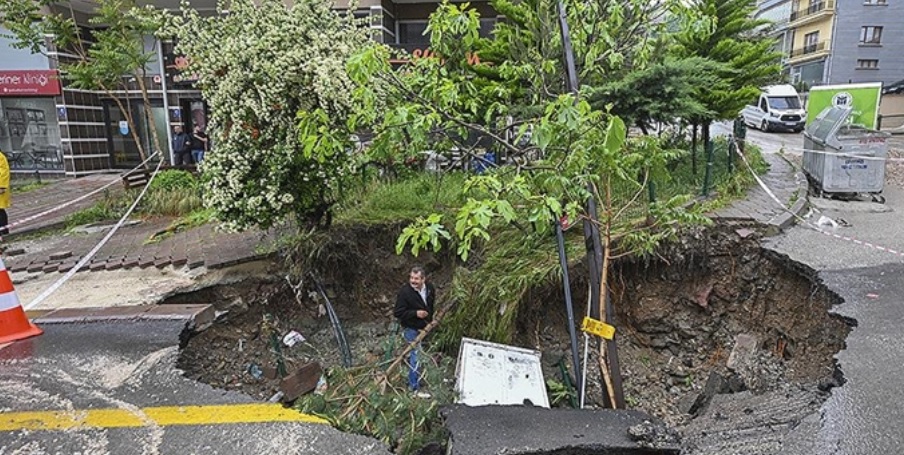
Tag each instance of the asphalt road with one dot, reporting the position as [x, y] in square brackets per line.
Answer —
[864, 416]
[113, 388]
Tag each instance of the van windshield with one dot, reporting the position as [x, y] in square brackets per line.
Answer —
[784, 102]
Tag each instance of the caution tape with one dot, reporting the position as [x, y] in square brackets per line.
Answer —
[53, 288]
[843, 154]
[31, 218]
[809, 224]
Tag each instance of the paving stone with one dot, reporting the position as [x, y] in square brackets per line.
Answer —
[60, 255]
[145, 262]
[114, 264]
[95, 266]
[129, 263]
[36, 266]
[161, 262]
[179, 261]
[51, 267]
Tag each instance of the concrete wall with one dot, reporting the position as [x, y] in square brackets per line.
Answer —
[846, 48]
[892, 105]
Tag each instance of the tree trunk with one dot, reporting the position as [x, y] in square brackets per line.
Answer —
[150, 115]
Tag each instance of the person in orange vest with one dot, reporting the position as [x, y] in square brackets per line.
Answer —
[4, 193]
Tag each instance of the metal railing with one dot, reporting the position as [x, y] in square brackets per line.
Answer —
[812, 9]
[809, 49]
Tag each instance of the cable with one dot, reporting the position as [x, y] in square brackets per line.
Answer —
[53, 288]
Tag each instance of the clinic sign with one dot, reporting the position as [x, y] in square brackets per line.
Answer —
[29, 83]
[863, 99]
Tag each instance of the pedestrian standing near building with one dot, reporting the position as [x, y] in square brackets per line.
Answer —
[198, 144]
[4, 194]
[181, 147]
[414, 310]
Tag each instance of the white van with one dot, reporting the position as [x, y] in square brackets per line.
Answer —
[777, 108]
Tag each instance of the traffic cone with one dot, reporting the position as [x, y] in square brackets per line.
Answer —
[14, 325]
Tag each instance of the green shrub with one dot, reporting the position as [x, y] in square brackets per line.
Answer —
[174, 179]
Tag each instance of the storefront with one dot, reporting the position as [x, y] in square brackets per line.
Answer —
[29, 126]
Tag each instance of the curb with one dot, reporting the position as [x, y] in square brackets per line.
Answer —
[787, 218]
[196, 315]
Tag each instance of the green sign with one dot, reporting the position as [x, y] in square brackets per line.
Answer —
[862, 98]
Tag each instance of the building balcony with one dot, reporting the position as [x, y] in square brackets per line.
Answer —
[808, 52]
[815, 12]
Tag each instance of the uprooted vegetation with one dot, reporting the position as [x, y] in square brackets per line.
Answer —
[679, 315]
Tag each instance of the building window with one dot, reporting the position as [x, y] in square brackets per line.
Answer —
[875, 2]
[412, 32]
[870, 35]
[811, 41]
[869, 64]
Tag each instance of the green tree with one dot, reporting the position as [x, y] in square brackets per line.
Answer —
[726, 32]
[563, 149]
[107, 54]
[274, 77]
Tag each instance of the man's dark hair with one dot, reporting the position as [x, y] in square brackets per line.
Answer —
[419, 270]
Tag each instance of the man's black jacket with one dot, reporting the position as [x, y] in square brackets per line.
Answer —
[408, 301]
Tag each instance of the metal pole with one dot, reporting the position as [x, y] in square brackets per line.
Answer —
[166, 111]
[575, 358]
[591, 230]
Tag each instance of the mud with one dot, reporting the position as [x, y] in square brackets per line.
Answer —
[679, 315]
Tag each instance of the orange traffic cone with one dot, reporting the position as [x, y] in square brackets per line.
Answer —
[14, 325]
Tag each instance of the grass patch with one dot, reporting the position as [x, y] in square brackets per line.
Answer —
[173, 193]
[24, 186]
[378, 201]
[184, 223]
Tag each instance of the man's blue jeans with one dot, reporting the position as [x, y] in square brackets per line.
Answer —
[198, 155]
[413, 374]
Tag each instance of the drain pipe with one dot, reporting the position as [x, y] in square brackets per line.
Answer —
[563, 260]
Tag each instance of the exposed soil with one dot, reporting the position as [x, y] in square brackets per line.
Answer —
[678, 317]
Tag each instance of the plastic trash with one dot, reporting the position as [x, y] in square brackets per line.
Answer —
[826, 221]
[255, 371]
[292, 338]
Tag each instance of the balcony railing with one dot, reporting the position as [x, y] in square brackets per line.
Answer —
[809, 49]
[812, 9]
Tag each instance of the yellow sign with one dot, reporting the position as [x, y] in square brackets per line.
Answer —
[598, 328]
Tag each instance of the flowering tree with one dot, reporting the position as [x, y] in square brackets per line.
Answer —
[274, 77]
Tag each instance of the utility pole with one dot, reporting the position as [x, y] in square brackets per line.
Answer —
[592, 239]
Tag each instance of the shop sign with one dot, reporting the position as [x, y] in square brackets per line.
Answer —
[417, 53]
[176, 70]
[29, 83]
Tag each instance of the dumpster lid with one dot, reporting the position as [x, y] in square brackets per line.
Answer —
[826, 125]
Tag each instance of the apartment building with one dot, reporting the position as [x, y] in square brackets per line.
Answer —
[46, 125]
[845, 41]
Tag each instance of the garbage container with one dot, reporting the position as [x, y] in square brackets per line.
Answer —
[841, 159]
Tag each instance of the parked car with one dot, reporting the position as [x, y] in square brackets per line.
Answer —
[777, 108]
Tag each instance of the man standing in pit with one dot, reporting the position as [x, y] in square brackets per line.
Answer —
[414, 310]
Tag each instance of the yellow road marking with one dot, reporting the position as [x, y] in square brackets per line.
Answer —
[162, 416]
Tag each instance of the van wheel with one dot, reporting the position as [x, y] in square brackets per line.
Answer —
[764, 127]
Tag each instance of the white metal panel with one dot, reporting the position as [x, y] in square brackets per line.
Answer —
[496, 374]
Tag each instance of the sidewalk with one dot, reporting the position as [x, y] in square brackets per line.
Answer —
[130, 247]
[789, 186]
